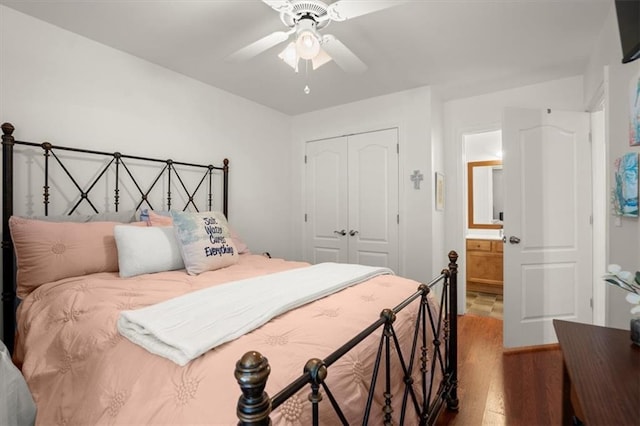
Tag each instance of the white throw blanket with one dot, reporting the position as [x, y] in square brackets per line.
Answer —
[185, 327]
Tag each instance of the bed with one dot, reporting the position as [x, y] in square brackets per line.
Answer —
[378, 350]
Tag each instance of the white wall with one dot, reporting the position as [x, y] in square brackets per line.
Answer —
[60, 87]
[64, 88]
[606, 75]
[440, 249]
[484, 113]
[410, 111]
[607, 50]
[624, 233]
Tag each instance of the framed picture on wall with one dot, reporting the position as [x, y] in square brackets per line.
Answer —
[634, 111]
[439, 191]
[625, 192]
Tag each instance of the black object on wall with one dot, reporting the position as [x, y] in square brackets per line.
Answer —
[628, 12]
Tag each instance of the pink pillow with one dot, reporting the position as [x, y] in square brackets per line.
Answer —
[142, 224]
[50, 251]
[156, 219]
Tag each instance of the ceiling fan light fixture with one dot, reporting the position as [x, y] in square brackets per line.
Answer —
[307, 44]
[305, 18]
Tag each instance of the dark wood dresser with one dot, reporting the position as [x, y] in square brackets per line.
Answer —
[601, 375]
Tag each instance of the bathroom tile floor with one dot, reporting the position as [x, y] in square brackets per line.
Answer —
[484, 304]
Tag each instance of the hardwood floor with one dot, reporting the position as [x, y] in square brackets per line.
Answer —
[514, 388]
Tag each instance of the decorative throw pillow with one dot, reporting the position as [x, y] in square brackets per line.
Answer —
[205, 241]
[160, 219]
[146, 250]
[50, 251]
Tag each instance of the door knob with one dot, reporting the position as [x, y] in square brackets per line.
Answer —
[353, 233]
[514, 240]
[341, 232]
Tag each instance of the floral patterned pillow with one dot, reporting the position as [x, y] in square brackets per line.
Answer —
[164, 219]
[205, 241]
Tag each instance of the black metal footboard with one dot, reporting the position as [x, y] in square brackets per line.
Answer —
[425, 396]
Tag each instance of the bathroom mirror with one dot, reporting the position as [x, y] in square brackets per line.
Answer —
[486, 195]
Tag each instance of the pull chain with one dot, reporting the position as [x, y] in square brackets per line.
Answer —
[306, 77]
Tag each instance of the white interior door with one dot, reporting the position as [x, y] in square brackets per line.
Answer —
[547, 254]
[327, 201]
[373, 198]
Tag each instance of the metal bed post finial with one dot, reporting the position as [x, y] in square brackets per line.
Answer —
[254, 406]
[8, 288]
[318, 373]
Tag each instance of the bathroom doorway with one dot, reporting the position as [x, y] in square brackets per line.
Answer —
[483, 233]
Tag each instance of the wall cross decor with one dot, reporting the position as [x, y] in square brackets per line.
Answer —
[416, 178]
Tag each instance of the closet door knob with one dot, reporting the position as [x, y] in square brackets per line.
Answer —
[342, 232]
[353, 233]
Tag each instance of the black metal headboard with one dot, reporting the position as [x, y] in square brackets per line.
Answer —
[115, 164]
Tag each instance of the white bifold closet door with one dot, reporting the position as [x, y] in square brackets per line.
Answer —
[352, 199]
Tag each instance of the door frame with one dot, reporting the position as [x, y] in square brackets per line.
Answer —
[600, 201]
[463, 201]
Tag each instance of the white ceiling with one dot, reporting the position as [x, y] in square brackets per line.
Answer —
[461, 47]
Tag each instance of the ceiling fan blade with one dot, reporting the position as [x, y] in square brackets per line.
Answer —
[342, 56]
[348, 9]
[279, 5]
[259, 46]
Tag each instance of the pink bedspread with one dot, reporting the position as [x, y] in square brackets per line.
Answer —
[82, 372]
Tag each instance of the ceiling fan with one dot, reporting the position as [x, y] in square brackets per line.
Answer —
[305, 18]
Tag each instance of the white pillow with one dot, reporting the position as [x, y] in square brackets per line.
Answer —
[205, 241]
[145, 250]
[16, 404]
